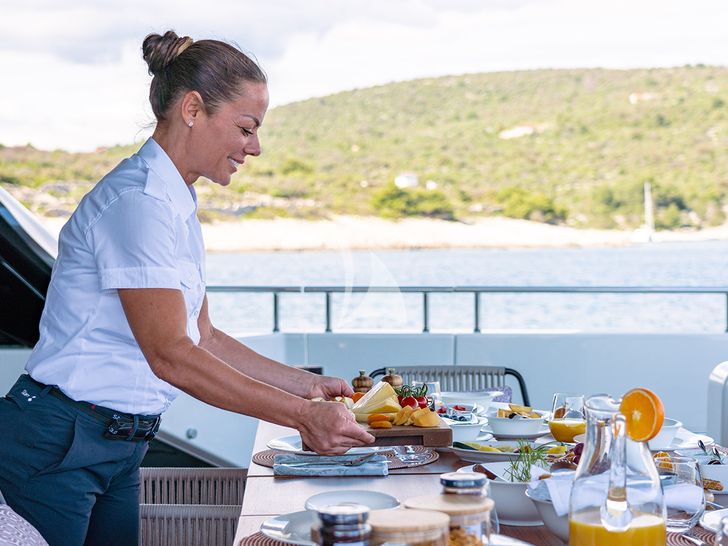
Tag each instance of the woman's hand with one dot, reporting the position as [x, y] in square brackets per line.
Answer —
[329, 428]
[328, 388]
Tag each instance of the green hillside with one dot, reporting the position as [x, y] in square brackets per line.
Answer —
[596, 136]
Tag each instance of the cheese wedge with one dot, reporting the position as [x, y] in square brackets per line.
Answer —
[380, 399]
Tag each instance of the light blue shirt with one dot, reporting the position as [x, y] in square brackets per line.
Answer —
[137, 228]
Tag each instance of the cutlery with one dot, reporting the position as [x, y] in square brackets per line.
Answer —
[351, 462]
[701, 445]
[717, 456]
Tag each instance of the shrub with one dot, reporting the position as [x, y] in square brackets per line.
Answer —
[520, 203]
[393, 202]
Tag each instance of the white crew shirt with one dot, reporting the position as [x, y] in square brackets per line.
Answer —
[137, 228]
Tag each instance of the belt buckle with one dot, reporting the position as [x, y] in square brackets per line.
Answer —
[153, 430]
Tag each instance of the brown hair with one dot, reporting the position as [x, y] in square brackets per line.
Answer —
[212, 68]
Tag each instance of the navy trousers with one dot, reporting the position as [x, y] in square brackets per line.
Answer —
[59, 472]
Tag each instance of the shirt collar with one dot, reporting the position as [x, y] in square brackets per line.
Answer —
[165, 180]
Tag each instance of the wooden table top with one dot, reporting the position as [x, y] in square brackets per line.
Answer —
[266, 496]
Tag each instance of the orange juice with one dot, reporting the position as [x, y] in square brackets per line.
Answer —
[564, 430]
[645, 530]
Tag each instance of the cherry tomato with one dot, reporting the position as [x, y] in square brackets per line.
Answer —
[409, 401]
[459, 408]
[422, 401]
[442, 409]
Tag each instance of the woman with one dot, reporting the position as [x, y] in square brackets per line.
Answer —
[126, 318]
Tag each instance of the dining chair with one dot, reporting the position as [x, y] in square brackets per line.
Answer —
[462, 378]
[192, 485]
[187, 524]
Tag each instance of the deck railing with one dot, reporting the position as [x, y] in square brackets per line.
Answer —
[476, 291]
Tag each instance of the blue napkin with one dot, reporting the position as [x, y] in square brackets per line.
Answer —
[289, 464]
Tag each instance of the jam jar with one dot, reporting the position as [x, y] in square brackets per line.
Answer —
[470, 511]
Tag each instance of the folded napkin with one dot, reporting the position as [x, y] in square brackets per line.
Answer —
[288, 464]
[681, 496]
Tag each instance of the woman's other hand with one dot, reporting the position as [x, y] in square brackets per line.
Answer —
[330, 429]
[328, 388]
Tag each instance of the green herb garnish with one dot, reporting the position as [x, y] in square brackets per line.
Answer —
[528, 455]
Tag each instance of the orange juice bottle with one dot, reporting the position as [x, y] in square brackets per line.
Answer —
[586, 529]
[564, 430]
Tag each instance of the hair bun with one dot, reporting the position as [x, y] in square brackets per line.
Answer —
[159, 51]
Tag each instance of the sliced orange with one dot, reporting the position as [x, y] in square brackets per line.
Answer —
[644, 413]
[355, 397]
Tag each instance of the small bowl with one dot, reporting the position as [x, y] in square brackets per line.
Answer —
[717, 472]
[511, 503]
[667, 434]
[558, 525]
[503, 426]
[481, 398]
[465, 432]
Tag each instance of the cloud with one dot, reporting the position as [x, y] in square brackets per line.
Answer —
[74, 78]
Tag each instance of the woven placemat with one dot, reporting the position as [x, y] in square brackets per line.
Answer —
[265, 458]
[259, 539]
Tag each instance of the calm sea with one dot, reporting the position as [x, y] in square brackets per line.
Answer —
[684, 264]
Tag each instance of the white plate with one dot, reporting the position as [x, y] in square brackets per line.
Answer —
[684, 439]
[292, 444]
[373, 499]
[543, 431]
[474, 456]
[711, 519]
[294, 528]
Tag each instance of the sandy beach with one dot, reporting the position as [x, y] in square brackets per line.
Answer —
[359, 233]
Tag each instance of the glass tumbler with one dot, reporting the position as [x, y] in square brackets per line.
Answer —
[684, 495]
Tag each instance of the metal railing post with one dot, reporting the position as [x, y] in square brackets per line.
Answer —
[276, 325]
[726, 311]
[476, 310]
[328, 311]
[425, 312]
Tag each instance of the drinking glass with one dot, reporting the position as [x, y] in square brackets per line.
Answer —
[567, 417]
[684, 495]
[721, 537]
[411, 455]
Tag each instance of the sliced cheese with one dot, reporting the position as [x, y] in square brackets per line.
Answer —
[362, 417]
[380, 399]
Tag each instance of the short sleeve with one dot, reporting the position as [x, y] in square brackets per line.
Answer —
[133, 243]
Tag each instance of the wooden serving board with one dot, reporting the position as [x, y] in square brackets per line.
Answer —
[400, 435]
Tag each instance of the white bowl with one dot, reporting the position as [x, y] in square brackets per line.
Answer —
[465, 432]
[717, 472]
[511, 503]
[517, 426]
[558, 525]
[481, 398]
[666, 435]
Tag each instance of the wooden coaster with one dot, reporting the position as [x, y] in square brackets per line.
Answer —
[679, 539]
[265, 458]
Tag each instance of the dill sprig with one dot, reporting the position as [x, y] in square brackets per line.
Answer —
[528, 455]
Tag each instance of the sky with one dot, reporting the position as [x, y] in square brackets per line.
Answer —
[72, 76]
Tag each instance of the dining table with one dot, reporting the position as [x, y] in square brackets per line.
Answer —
[267, 496]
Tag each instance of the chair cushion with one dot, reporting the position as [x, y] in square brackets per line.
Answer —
[507, 395]
[15, 531]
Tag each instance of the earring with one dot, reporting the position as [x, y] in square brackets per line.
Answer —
[190, 123]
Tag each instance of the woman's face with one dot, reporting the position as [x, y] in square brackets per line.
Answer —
[223, 139]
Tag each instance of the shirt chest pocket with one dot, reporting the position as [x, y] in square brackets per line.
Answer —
[191, 285]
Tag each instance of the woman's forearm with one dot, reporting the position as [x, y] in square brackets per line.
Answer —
[204, 376]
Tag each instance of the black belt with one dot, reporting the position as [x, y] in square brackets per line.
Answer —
[119, 425]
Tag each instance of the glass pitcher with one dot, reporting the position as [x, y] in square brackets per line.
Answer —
[616, 499]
